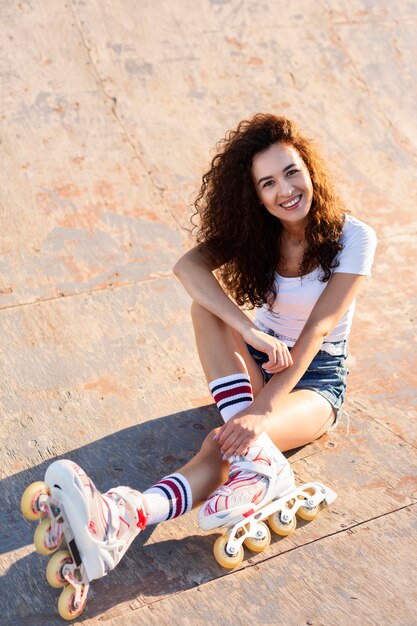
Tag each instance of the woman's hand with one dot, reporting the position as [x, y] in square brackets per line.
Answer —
[278, 354]
[240, 432]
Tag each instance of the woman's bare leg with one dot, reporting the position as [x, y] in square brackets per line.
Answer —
[303, 416]
[206, 471]
[222, 350]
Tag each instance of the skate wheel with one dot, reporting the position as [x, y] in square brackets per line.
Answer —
[54, 574]
[30, 500]
[259, 545]
[223, 558]
[279, 527]
[66, 607]
[308, 514]
[40, 538]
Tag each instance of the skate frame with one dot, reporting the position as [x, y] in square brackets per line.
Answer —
[288, 504]
[74, 573]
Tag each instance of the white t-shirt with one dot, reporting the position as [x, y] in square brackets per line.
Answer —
[297, 296]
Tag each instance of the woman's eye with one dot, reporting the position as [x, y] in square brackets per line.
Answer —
[268, 183]
[291, 172]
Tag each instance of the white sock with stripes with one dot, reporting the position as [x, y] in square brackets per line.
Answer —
[168, 498]
[231, 394]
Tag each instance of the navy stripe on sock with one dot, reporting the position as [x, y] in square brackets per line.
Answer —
[169, 498]
[184, 492]
[231, 382]
[223, 405]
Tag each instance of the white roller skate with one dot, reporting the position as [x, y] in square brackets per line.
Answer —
[260, 486]
[97, 528]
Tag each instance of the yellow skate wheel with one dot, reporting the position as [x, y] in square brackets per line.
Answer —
[259, 545]
[40, 538]
[223, 558]
[308, 514]
[54, 570]
[30, 498]
[279, 527]
[66, 607]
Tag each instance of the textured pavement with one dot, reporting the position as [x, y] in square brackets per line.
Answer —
[109, 114]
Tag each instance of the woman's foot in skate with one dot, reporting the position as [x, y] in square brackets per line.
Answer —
[102, 525]
[257, 477]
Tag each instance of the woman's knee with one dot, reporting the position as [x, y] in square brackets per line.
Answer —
[210, 447]
[197, 310]
[203, 317]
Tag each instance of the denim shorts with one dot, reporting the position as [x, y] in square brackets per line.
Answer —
[326, 374]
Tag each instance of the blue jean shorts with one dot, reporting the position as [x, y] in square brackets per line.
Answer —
[326, 374]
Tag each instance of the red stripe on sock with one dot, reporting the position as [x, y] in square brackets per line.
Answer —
[177, 493]
[229, 393]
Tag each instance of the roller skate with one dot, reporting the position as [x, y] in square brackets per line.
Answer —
[260, 487]
[96, 528]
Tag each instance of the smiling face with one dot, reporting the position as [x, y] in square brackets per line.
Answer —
[282, 182]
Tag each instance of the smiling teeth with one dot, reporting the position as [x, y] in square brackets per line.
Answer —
[287, 205]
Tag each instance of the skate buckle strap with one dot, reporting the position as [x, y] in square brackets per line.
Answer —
[253, 466]
[132, 500]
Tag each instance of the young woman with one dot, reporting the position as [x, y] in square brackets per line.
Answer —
[272, 235]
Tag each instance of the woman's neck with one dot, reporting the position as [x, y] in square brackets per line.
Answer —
[293, 233]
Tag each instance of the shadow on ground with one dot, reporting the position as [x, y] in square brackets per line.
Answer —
[136, 456]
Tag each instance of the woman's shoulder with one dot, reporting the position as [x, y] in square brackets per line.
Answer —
[354, 228]
[355, 225]
[359, 244]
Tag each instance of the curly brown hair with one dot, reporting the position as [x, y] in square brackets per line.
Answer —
[241, 237]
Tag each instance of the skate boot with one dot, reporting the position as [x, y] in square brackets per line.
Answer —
[97, 529]
[260, 486]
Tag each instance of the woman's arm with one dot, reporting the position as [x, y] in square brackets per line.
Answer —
[242, 430]
[195, 271]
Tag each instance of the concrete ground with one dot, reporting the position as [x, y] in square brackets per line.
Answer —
[109, 113]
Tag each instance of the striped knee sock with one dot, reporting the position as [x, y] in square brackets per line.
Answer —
[168, 498]
[231, 394]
